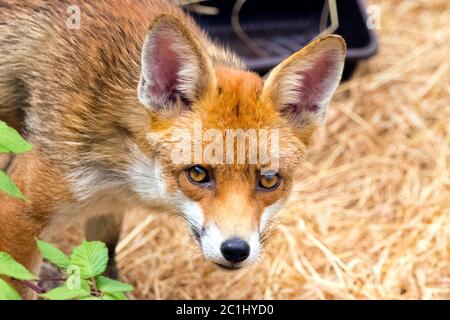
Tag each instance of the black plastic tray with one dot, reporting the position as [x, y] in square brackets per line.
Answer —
[281, 27]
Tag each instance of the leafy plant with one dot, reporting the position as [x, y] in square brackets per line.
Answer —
[11, 142]
[82, 270]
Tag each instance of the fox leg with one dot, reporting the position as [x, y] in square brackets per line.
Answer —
[18, 230]
[23, 221]
[106, 228]
[17, 233]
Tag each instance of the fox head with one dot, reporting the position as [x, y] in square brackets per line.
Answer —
[224, 142]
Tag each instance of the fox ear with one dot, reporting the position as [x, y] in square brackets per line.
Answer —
[174, 69]
[301, 87]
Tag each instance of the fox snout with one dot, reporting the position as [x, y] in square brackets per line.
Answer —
[229, 252]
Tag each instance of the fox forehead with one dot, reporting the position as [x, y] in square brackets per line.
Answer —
[237, 102]
[234, 103]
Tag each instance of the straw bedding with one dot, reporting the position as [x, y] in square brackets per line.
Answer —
[369, 217]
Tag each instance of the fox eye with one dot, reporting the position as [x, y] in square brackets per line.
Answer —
[198, 174]
[269, 182]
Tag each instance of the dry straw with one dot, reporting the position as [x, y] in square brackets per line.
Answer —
[369, 217]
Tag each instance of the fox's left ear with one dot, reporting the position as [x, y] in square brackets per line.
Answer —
[174, 68]
[301, 87]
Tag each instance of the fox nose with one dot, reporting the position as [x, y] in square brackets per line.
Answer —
[235, 250]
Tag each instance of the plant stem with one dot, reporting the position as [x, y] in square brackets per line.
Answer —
[32, 286]
[94, 287]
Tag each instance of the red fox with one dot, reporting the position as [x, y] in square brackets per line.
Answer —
[100, 104]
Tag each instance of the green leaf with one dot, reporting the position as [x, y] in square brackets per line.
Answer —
[53, 254]
[7, 292]
[9, 267]
[7, 186]
[114, 296]
[85, 286]
[91, 257]
[11, 141]
[107, 285]
[64, 293]
[70, 290]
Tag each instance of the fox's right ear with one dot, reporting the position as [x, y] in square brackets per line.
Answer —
[174, 69]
